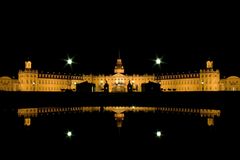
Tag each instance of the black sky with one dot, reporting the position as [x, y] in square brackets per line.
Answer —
[136, 59]
[184, 37]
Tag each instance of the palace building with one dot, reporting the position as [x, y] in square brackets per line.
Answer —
[206, 79]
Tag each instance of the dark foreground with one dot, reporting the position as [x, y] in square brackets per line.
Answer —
[96, 135]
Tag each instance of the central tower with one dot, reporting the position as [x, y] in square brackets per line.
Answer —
[119, 67]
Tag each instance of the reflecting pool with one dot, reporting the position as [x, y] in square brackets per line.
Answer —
[119, 130]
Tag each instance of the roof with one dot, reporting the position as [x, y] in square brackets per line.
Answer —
[232, 77]
[5, 77]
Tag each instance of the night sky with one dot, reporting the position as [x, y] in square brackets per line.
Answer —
[96, 59]
[185, 40]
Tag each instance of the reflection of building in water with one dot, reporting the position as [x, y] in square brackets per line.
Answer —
[119, 117]
[27, 113]
[206, 79]
[119, 111]
[27, 121]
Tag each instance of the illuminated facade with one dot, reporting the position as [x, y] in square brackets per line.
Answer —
[205, 80]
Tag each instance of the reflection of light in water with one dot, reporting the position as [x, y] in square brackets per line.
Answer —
[27, 121]
[119, 111]
[119, 117]
[34, 112]
[210, 121]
